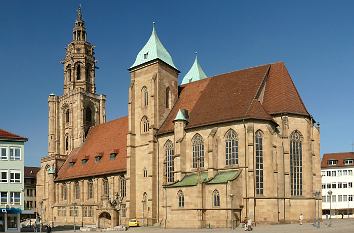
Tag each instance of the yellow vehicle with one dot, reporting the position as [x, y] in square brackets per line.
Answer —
[133, 223]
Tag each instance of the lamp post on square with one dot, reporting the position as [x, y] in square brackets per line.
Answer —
[330, 207]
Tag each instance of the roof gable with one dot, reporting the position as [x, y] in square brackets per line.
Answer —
[281, 95]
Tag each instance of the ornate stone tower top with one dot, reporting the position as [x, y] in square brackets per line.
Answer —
[72, 114]
[79, 31]
[79, 61]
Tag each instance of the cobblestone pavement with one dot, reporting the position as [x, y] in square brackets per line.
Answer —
[338, 226]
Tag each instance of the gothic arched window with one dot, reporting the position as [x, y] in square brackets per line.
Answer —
[88, 73]
[180, 196]
[90, 189]
[64, 192]
[296, 163]
[198, 151]
[88, 115]
[78, 72]
[144, 125]
[145, 96]
[231, 147]
[259, 162]
[67, 116]
[216, 198]
[168, 98]
[105, 185]
[123, 187]
[76, 190]
[68, 73]
[169, 152]
[66, 142]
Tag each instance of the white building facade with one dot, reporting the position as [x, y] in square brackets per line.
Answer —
[337, 170]
[11, 180]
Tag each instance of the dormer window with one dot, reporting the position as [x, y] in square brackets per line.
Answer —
[332, 162]
[348, 162]
[98, 157]
[112, 156]
[72, 162]
[85, 160]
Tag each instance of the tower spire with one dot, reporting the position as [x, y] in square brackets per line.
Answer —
[152, 50]
[79, 14]
[195, 73]
[79, 30]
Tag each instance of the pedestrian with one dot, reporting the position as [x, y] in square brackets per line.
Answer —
[301, 218]
[245, 224]
[249, 224]
[49, 229]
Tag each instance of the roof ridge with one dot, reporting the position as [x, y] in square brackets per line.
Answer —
[248, 68]
[108, 122]
[13, 135]
[333, 153]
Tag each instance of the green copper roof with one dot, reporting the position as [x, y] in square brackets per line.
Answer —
[152, 50]
[190, 180]
[195, 73]
[224, 177]
[180, 116]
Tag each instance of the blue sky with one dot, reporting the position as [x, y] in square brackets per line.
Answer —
[314, 38]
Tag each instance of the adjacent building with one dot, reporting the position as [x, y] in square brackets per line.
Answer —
[337, 184]
[30, 180]
[11, 180]
[208, 152]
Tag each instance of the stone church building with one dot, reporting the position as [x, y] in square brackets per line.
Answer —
[208, 152]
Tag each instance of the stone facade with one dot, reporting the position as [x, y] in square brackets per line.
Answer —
[178, 167]
[238, 198]
[142, 146]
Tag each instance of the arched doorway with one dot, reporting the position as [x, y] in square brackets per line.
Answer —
[104, 220]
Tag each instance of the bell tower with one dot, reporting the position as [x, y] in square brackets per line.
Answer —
[70, 115]
[153, 91]
[79, 61]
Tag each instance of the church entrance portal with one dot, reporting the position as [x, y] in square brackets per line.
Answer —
[104, 220]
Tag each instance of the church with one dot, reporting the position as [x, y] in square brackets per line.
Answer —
[208, 152]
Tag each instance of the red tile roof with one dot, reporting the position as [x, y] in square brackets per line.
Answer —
[336, 156]
[10, 136]
[281, 95]
[101, 140]
[237, 96]
[31, 172]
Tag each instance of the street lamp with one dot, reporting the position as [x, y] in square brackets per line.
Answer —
[330, 207]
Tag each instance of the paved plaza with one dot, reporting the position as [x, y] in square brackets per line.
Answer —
[338, 226]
